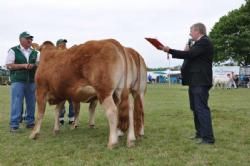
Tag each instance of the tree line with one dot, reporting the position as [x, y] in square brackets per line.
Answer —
[231, 36]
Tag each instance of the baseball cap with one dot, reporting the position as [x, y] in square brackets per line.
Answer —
[61, 41]
[25, 35]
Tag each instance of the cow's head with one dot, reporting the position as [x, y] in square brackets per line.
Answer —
[47, 45]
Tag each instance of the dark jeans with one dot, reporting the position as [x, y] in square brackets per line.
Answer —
[71, 111]
[198, 97]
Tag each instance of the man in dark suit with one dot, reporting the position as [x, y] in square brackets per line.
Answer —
[197, 74]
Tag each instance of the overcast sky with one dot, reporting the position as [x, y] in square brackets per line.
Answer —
[127, 21]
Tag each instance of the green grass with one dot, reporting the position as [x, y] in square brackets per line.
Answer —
[168, 124]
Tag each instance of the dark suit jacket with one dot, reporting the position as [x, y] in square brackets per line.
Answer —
[197, 66]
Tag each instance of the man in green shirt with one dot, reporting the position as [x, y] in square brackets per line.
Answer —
[22, 61]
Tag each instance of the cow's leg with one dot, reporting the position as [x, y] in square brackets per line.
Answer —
[58, 109]
[112, 116]
[92, 107]
[131, 131]
[41, 104]
[76, 106]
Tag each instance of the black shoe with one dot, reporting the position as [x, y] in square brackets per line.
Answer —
[30, 126]
[205, 142]
[14, 129]
[70, 122]
[61, 122]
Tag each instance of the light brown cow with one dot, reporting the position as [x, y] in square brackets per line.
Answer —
[95, 69]
[137, 87]
[137, 69]
[93, 101]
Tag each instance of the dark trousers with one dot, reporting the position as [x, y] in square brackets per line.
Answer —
[71, 111]
[198, 97]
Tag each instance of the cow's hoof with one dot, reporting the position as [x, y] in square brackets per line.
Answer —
[73, 127]
[120, 133]
[140, 137]
[112, 146]
[92, 126]
[130, 144]
[56, 132]
[141, 133]
[34, 136]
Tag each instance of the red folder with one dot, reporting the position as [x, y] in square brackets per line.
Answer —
[154, 42]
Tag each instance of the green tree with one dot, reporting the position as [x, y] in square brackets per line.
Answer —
[231, 36]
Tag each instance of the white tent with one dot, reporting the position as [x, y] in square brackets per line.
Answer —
[224, 70]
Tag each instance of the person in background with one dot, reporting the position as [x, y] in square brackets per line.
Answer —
[22, 62]
[61, 44]
[197, 74]
[149, 78]
[248, 83]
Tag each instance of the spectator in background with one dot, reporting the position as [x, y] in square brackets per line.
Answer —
[61, 44]
[246, 81]
[149, 78]
[248, 84]
[236, 80]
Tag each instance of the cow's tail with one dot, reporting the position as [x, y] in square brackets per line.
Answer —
[123, 106]
[138, 103]
[123, 114]
[138, 114]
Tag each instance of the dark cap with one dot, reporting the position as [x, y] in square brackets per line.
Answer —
[60, 41]
[25, 35]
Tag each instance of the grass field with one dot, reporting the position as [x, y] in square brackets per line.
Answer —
[168, 124]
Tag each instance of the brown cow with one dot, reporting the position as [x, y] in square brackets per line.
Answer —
[93, 102]
[137, 87]
[95, 69]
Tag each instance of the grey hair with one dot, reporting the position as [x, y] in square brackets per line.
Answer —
[200, 27]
